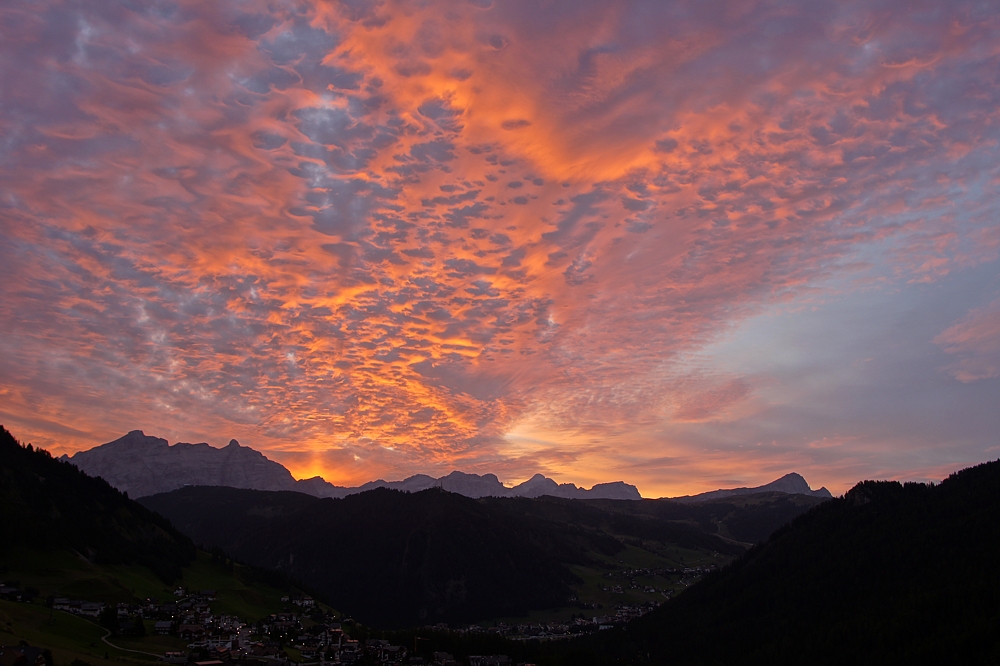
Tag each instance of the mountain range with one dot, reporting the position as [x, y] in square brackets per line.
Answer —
[791, 484]
[888, 573]
[143, 465]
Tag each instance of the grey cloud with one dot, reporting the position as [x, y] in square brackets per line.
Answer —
[442, 113]
[514, 259]
[635, 205]
[332, 126]
[299, 40]
[466, 267]
[459, 217]
[515, 124]
[254, 25]
[439, 150]
[268, 141]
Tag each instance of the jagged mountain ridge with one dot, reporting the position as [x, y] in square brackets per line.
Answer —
[791, 484]
[144, 465]
[141, 465]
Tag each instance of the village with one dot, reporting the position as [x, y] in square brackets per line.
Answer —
[305, 633]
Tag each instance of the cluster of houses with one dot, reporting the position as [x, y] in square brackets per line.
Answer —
[78, 606]
[11, 592]
[686, 576]
[307, 634]
[555, 630]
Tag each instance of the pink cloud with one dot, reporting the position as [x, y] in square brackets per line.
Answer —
[359, 229]
[975, 339]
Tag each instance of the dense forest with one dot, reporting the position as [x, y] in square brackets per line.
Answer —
[390, 557]
[890, 573]
[396, 559]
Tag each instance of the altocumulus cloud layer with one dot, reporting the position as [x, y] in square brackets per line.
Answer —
[641, 240]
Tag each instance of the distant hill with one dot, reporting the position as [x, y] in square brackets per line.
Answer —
[48, 504]
[390, 558]
[890, 573]
[399, 559]
[143, 465]
[488, 485]
[792, 484]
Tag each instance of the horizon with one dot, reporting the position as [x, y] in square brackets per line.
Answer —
[506, 483]
[685, 245]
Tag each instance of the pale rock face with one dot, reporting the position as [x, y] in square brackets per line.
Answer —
[536, 486]
[142, 465]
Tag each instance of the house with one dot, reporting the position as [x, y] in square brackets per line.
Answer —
[220, 653]
[224, 639]
[10, 592]
[163, 627]
[91, 609]
[393, 654]
[190, 632]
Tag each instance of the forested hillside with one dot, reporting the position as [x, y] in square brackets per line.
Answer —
[890, 573]
[403, 559]
[45, 504]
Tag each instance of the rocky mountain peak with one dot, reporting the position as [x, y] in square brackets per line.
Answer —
[791, 484]
[144, 465]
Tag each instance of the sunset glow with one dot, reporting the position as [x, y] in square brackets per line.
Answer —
[687, 245]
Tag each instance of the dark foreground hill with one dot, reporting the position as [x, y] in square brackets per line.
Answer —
[399, 559]
[889, 573]
[48, 504]
[389, 557]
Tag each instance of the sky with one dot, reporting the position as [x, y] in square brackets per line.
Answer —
[687, 245]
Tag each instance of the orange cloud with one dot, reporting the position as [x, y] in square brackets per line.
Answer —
[377, 238]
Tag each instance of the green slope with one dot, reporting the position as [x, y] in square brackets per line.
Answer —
[61, 573]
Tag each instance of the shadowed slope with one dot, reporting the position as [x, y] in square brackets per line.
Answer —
[45, 503]
[396, 558]
[887, 574]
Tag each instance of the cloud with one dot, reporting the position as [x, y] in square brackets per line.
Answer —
[975, 338]
[316, 226]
